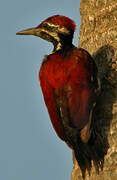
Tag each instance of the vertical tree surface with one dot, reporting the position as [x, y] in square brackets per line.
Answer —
[98, 35]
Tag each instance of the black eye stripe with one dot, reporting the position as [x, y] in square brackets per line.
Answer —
[50, 28]
[48, 37]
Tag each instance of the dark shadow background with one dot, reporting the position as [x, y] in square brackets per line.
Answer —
[102, 115]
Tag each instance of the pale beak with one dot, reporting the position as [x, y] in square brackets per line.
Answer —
[31, 31]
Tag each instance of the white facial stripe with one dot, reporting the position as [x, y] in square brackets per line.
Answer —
[51, 24]
[53, 34]
[61, 29]
[56, 37]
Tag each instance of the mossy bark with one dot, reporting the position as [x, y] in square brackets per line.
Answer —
[98, 35]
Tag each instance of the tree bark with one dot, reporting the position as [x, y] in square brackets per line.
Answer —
[98, 35]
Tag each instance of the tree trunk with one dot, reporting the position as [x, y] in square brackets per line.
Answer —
[98, 35]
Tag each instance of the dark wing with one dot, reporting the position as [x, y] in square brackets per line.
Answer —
[75, 106]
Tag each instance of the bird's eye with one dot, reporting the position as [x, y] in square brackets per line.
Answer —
[45, 26]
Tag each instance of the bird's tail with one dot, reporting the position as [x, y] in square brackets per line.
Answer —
[88, 153]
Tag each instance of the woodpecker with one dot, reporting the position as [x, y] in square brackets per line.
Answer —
[70, 86]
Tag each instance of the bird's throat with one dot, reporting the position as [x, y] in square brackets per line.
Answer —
[62, 46]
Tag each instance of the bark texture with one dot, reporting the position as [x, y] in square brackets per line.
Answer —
[98, 35]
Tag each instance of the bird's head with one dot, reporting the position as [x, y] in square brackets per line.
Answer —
[56, 29]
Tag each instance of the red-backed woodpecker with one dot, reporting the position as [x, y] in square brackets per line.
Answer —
[68, 78]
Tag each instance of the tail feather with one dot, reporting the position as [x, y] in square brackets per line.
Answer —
[88, 153]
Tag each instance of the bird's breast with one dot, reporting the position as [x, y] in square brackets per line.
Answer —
[58, 71]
